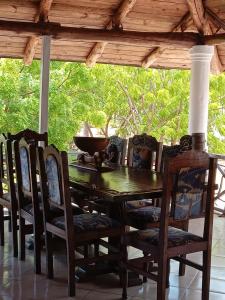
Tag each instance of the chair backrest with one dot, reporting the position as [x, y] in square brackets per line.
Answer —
[7, 182]
[144, 151]
[116, 150]
[189, 177]
[54, 179]
[30, 136]
[186, 142]
[185, 145]
[26, 173]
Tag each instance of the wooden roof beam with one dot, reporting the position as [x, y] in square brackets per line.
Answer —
[116, 22]
[201, 22]
[41, 16]
[156, 52]
[214, 18]
[147, 39]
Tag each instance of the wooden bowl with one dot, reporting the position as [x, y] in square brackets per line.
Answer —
[91, 144]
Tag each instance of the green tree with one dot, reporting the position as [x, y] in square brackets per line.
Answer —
[132, 100]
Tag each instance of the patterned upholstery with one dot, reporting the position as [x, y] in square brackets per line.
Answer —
[143, 215]
[119, 142]
[53, 179]
[88, 222]
[188, 198]
[143, 147]
[25, 168]
[115, 149]
[141, 157]
[176, 237]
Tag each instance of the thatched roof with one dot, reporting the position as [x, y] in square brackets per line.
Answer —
[125, 32]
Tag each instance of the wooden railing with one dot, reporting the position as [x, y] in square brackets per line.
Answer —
[220, 180]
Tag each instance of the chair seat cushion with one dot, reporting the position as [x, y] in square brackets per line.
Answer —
[146, 214]
[176, 237]
[138, 204]
[88, 222]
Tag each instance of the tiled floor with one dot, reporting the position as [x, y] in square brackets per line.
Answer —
[17, 280]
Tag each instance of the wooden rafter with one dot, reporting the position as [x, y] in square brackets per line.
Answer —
[146, 39]
[32, 43]
[156, 52]
[215, 19]
[202, 24]
[116, 22]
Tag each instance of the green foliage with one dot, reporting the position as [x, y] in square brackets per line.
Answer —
[132, 100]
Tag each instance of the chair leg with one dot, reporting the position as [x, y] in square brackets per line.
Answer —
[22, 237]
[71, 270]
[13, 221]
[2, 225]
[123, 269]
[49, 254]
[206, 275]
[10, 222]
[37, 249]
[162, 278]
[96, 246]
[86, 251]
[145, 267]
[124, 282]
[182, 267]
[168, 274]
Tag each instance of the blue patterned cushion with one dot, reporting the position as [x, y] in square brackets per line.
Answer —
[143, 215]
[130, 205]
[113, 154]
[141, 158]
[118, 142]
[176, 237]
[53, 179]
[188, 199]
[88, 222]
[25, 168]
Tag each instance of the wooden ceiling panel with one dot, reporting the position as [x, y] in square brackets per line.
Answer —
[144, 15]
[161, 8]
[18, 10]
[112, 4]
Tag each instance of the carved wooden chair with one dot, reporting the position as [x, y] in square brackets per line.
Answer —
[75, 230]
[8, 198]
[145, 216]
[30, 215]
[30, 208]
[144, 151]
[148, 216]
[116, 150]
[30, 136]
[183, 183]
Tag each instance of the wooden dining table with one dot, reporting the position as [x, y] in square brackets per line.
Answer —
[117, 183]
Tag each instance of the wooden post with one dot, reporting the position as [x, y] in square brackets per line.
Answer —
[45, 64]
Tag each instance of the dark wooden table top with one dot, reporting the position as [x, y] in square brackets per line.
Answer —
[121, 183]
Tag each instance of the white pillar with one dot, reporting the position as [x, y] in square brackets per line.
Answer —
[199, 95]
[45, 64]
